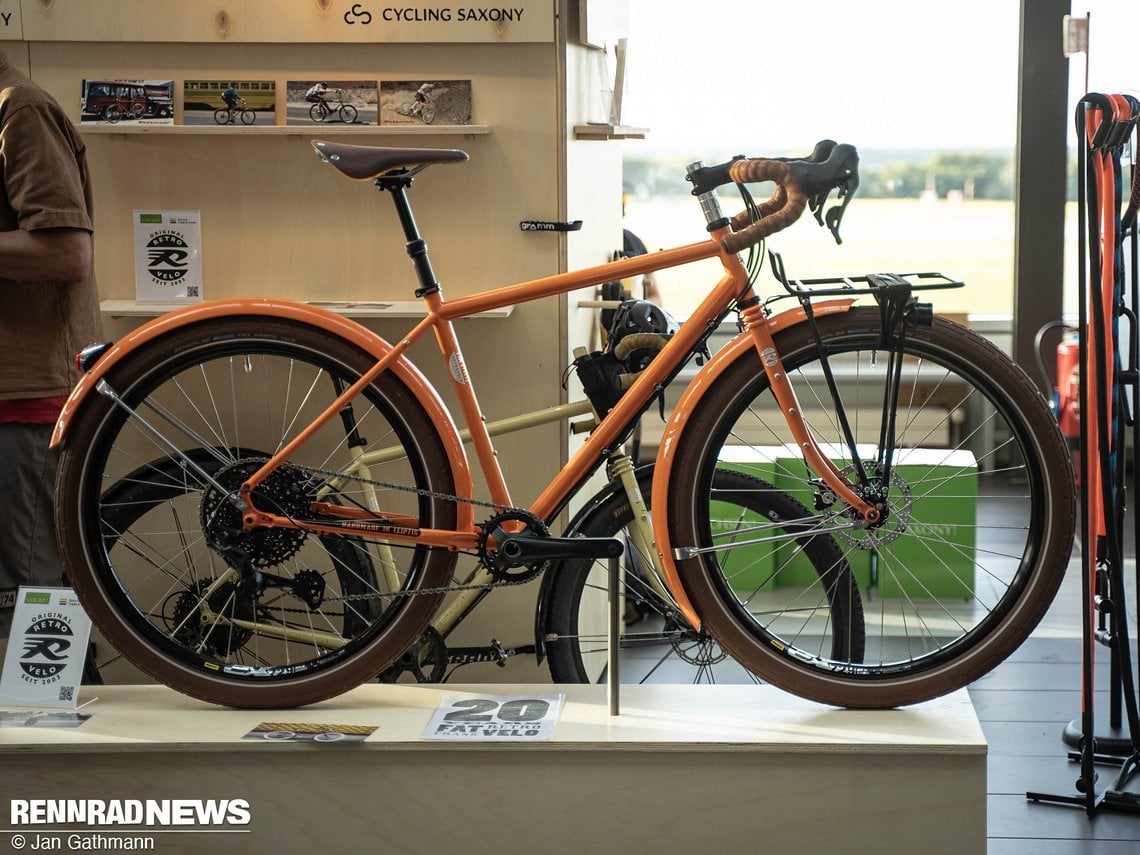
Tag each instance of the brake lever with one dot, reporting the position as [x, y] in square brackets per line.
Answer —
[835, 214]
[846, 188]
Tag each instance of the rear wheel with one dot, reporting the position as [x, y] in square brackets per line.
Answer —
[265, 617]
[979, 508]
[658, 645]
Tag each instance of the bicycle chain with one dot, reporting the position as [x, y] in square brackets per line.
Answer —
[432, 494]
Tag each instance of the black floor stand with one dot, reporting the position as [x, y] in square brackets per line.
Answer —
[1115, 375]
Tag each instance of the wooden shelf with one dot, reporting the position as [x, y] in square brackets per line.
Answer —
[349, 308]
[609, 132]
[285, 130]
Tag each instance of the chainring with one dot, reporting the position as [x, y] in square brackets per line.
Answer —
[489, 557]
[425, 660]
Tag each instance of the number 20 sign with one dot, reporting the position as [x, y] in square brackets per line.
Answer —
[495, 719]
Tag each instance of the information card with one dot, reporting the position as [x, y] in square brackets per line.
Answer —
[497, 718]
[168, 256]
[44, 663]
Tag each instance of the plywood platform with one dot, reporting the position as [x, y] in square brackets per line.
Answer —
[683, 768]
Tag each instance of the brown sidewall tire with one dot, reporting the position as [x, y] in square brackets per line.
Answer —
[1054, 487]
[203, 680]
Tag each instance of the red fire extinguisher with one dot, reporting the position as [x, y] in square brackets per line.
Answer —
[1069, 391]
[1068, 398]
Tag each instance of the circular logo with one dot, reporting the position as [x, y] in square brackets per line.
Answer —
[46, 646]
[167, 257]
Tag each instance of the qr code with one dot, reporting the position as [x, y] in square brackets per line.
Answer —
[191, 290]
[67, 693]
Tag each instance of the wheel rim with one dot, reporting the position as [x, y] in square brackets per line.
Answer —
[944, 581]
[160, 570]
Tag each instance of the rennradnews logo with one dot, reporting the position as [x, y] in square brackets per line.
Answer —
[142, 812]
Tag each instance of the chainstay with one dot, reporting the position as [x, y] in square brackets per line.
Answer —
[450, 589]
[486, 586]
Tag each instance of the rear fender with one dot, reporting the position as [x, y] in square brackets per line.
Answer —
[300, 313]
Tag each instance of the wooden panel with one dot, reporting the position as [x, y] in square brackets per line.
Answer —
[321, 21]
[277, 221]
[11, 21]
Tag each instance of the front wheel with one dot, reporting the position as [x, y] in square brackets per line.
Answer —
[979, 507]
[428, 115]
[658, 645]
[347, 114]
[264, 617]
[248, 117]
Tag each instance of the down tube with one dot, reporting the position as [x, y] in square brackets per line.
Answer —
[630, 405]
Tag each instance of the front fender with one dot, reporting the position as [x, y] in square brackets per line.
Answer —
[685, 408]
[301, 313]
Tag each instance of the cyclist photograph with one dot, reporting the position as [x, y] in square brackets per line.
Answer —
[229, 102]
[414, 102]
[335, 102]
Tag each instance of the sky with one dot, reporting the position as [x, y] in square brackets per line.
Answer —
[877, 73]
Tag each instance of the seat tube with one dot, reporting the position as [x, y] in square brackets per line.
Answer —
[469, 404]
[432, 294]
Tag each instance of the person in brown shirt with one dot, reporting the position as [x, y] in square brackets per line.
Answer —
[49, 309]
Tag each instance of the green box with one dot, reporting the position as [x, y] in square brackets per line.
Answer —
[937, 550]
[797, 570]
[934, 554]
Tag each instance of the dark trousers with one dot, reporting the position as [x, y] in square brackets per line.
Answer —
[29, 554]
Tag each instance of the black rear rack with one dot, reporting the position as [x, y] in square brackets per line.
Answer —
[844, 286]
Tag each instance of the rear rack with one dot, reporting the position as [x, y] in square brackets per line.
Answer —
[842, 286]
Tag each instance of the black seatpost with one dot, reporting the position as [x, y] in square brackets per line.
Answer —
[416, 246]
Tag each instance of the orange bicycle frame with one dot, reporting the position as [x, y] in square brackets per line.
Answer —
[440, 314]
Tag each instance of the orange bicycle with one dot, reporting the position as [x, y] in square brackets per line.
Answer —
[331, 494]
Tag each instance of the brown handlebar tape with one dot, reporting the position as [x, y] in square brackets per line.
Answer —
[779, 212]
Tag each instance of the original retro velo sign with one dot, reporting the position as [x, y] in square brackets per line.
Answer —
[44, 663]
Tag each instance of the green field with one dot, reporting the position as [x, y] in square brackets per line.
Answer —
[972, 241]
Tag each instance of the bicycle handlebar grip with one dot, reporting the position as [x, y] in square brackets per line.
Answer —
[638, 341]
[779, 214]
[768, 207]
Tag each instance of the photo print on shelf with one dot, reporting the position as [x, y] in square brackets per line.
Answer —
[127, 102]
[221, 101]
[330, 102]
[425, 102]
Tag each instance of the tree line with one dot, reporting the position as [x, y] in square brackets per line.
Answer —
[974, 175]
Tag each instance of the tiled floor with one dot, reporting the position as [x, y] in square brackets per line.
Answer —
[1023, 706]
